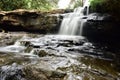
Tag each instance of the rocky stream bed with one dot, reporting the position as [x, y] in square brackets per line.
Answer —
[27, 56]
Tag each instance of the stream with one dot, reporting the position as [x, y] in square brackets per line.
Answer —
[54, 57]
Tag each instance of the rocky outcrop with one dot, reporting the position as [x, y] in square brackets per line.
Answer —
[103, 29]
[99, 25]
[28, 20]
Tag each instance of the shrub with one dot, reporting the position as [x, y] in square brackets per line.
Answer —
[8, 5]
[105, 6]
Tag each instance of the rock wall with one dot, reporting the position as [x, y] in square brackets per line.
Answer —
[100, 25]
[103, 29]
[24, 20]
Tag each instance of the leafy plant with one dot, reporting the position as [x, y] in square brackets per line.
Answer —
[27, 4]
[97, 5]
[12, 4]
[105, 6]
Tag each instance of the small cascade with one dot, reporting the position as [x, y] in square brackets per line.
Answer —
[51, 53]
[81, 26]
[86, 5]
[72, 23]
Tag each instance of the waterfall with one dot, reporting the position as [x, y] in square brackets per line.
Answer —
[72, 23]
[86, 5]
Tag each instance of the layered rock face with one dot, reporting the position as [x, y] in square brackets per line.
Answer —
[100, 25]
[103, 29]
[24, 20]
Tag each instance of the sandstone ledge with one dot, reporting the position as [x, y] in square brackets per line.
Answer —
[29, 20]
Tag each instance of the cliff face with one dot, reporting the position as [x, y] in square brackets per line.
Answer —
[28, 20]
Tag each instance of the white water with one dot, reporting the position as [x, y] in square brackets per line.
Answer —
[87, 4]
[72, 23]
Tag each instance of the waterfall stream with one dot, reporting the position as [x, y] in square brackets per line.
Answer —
[68, 56]
[52, 56]
[73, 23]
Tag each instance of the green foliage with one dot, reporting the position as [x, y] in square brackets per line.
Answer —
[38, 4]
[78, 3]
[11, 4]
[106, 6]
[96, 5]
[27, 4]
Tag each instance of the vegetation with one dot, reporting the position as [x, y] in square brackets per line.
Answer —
[8, 5]
[78, 3]
[27, 4]
[96, 5]
[103, 6]
[106, 6]
[12, 4]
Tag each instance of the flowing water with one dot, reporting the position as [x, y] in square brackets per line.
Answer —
[57, 57]
[51, 57]
[73, 23]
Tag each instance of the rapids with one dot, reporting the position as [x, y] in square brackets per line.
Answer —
[55, 57]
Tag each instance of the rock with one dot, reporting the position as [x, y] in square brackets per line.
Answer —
[40, 53]
[94, 17]
[99, 25]
[28, 49]
[13, 72]
[25, 43]
[61, 11]
[27, 20]
[32, 73]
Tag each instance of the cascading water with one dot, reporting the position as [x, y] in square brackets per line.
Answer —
[62, 57]
[72, 23]
[33, 57]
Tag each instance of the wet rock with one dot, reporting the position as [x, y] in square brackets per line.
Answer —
[99, 26]
[57, 74]
[9, 39]
[75, 62]
[41, 53]
[96, 17]
[43, 74]
[33, 74]
[13, 72]
[28, 49]
[25, 43]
